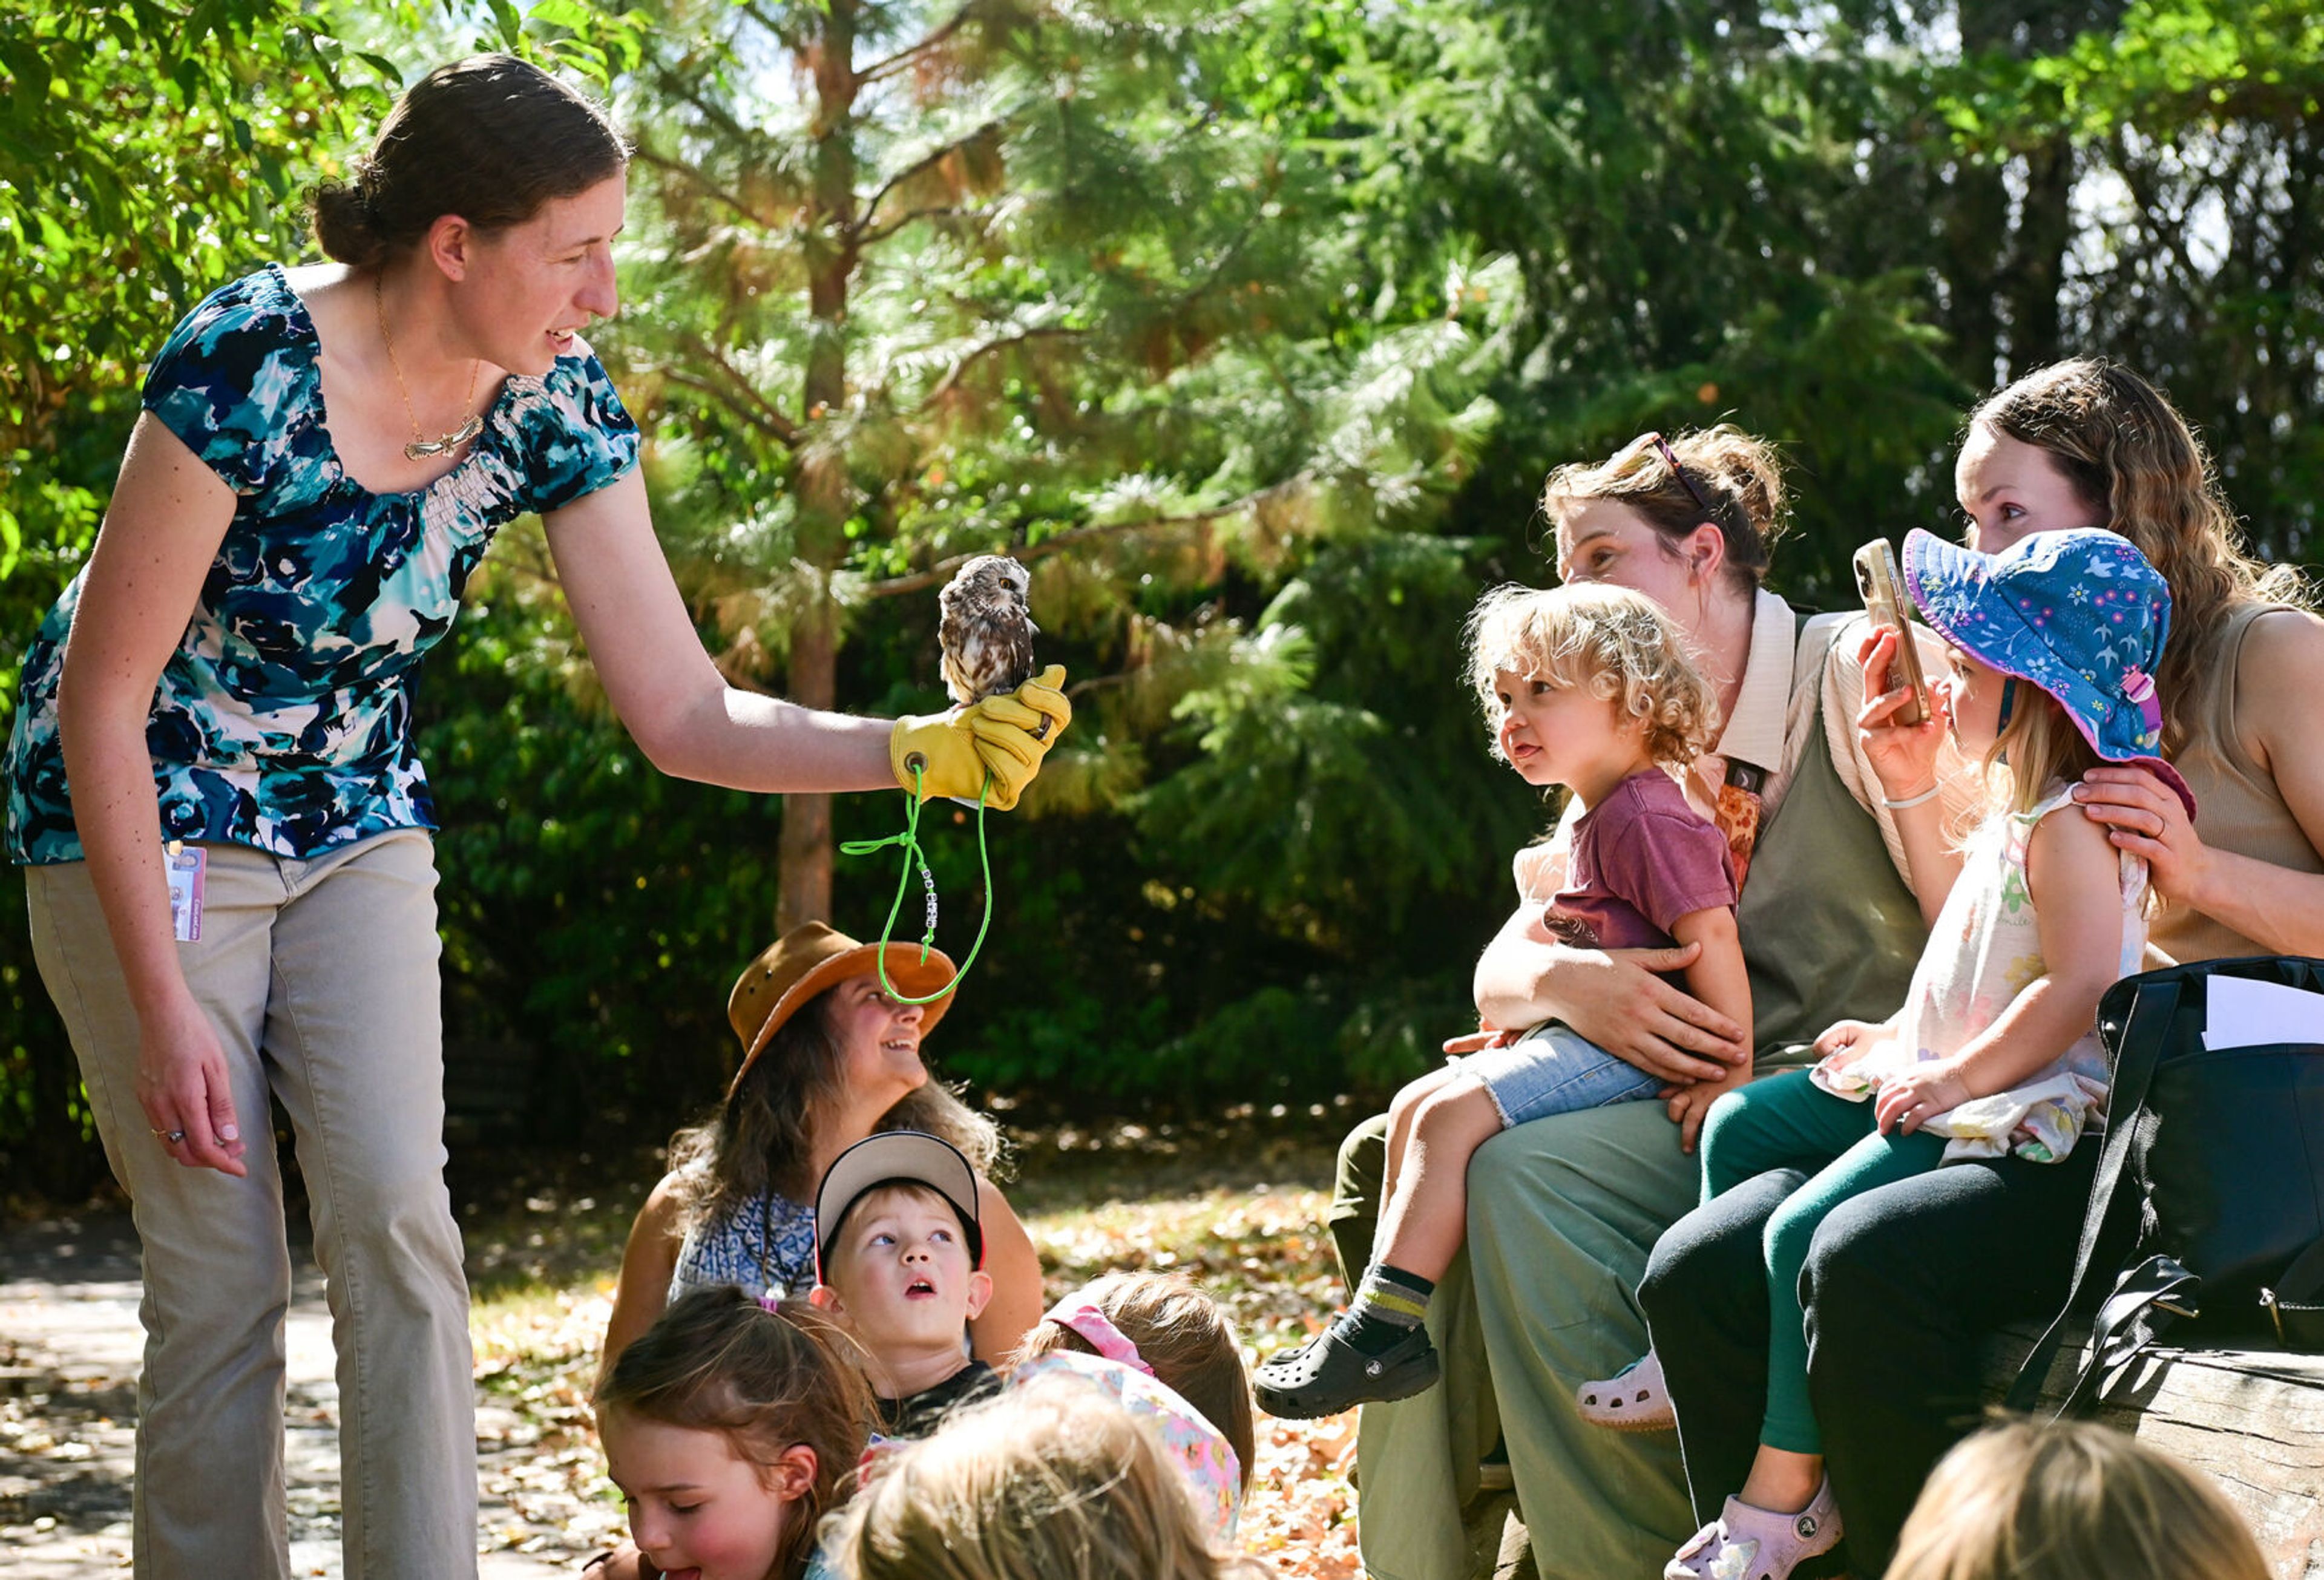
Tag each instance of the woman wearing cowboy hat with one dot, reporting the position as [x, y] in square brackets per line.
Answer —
[829, 1056]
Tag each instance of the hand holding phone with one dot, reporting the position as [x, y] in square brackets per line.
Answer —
[1878, 581]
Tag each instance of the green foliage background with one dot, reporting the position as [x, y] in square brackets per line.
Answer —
[1261, 322]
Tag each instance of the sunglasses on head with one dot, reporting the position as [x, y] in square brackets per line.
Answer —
[1670, 459]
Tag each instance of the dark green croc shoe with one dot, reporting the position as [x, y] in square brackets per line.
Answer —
[1328, 1374]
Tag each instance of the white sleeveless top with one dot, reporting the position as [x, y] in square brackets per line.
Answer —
[1983, 951]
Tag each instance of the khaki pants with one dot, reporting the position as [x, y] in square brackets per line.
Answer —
[320, 978]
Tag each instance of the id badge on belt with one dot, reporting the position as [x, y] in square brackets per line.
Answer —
[184, 864]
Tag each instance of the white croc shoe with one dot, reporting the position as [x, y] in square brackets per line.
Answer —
[1633, 1400]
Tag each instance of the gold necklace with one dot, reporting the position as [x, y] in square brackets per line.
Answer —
[422, 448]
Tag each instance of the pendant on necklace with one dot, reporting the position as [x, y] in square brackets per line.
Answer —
[421, 449]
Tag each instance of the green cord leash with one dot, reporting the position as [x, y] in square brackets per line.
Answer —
[916, 857]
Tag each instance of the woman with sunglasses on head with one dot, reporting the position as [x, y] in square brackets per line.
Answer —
[1835, 892]
[1896, 1361]
[227, 829]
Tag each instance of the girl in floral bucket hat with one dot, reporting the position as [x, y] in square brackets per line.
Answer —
[2053, 650]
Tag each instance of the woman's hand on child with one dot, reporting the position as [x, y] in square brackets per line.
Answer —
[1928, 1091]
[1615, 999]
[2146, 818]
[1904, 756]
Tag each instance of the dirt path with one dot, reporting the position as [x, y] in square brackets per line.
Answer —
[70, 1343]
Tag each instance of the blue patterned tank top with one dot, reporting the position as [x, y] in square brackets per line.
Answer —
[283, 719]
[766, 1244]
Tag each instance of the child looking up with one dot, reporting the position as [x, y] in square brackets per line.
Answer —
[900, 1265]
[2052, 647]
[1589, 687]
[728, 1428]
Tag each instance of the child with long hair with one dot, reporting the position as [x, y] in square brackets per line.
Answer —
[1053, 1478]
[2053, 650]
[730, 1429]
[2066, 1502]
[1165, 1325]
[1589, 687]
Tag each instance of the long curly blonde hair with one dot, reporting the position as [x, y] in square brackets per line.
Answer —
[1613, 642]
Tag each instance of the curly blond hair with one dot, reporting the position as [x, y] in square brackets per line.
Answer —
[1609, 640]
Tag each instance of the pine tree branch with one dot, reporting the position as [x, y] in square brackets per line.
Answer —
[678, 88]
[978, 354]
[709, 188]
[742, 397]
[881, 233]
[927, 161]
[1075, 537]
[905, 57]
[778, 28]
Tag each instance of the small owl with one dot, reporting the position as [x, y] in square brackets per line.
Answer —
[986, 629]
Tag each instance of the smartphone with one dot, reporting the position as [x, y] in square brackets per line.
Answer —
[1878, 581]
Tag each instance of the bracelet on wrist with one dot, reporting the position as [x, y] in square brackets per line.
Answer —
[1931, 793]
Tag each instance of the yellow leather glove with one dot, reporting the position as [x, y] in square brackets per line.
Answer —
[956, 750]
[1014, 733]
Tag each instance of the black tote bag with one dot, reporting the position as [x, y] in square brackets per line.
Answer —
[2221, 1156]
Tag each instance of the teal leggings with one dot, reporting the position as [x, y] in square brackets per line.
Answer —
[1788, 1122]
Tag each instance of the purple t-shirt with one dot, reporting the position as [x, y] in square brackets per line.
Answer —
[1640, 860]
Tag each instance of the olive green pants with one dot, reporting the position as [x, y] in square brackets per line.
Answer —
[1563, 1213]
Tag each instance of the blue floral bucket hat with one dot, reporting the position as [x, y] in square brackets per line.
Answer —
[2080, 614]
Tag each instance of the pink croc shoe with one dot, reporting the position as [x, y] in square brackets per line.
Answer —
[1745, 1543]
[1633, 1400]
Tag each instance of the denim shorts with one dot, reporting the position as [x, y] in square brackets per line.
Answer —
[1555, 1070]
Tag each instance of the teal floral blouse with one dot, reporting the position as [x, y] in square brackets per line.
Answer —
[283, 720]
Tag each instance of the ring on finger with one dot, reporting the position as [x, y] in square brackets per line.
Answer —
[170, 1137]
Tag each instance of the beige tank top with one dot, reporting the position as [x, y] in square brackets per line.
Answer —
[2237, 805]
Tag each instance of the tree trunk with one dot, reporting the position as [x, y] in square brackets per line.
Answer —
[803, 886]
[803, 891]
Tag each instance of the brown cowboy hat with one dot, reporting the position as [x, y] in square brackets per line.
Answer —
[813, 957]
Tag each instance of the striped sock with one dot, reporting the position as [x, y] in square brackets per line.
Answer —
[1388, 1305]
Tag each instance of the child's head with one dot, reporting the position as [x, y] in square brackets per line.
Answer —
[729, 1428]
[2087, 442]
[1533, 653]
[1721, 480]
[2056, 642]
[1050, 1479]
[1169, 1327]
[899, 1246]
[2067, 1501]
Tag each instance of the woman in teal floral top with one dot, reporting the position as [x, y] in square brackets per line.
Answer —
[212, 783]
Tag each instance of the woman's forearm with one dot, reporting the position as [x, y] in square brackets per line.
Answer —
[117, 817]
[2277, 908]
[746, 741]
